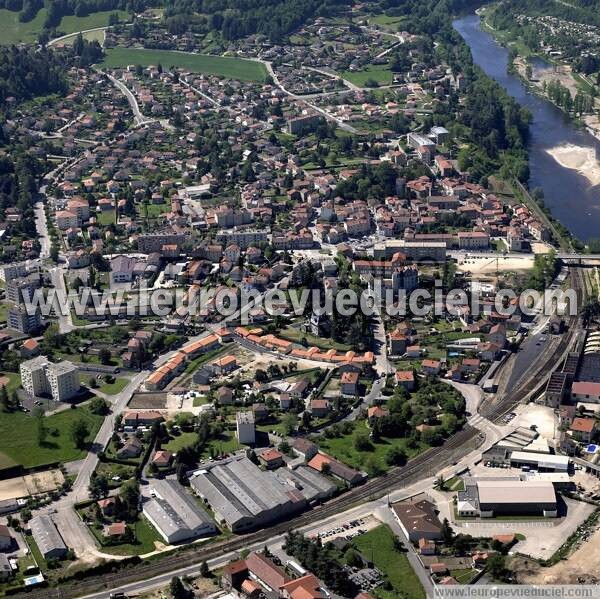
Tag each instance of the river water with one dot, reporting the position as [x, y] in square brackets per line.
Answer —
[571, 196]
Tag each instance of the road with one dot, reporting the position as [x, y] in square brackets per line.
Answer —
[56, 40]
[139, 118]
[41, 228]
[341, 124]
[74, 532]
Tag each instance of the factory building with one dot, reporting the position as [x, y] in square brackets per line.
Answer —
[243, 496]
[487, 498]
[175, 514]
[47, 538]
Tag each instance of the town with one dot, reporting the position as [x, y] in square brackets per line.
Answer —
[301, 453]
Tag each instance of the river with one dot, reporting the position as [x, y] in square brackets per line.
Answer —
[571, 196]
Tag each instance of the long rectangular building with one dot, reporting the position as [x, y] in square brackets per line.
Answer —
[243, 496]
[175, 514]
[508, 496]
[47, 538]
[311, 484]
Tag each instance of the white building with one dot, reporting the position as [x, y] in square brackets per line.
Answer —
[39, 376]
[175, 514]
[245, 428]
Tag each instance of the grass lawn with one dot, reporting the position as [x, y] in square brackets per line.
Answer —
[227, 443]
[153, 210]
[379, 543]
[343, 448]
[200, 401]
[12, 31]
[463, 576]
[72, 24]
[379, 73]
[114, 388]
[18, 437]
[14, 381]
[145, 534]
[455, 483]
[296, 336]
[90, 36]
[385, 20]
[110, 469]
[180, 441]
[106, 217]
[232, 68]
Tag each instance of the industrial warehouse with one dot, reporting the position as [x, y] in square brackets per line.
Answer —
[47, 538]
[175, 514]
[507, 496]
[245, 497]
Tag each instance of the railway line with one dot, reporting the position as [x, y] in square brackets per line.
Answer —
[421, 467]
[539, 370]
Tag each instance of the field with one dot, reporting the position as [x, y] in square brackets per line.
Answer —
[71, 24]
[231, 68]
[12, 31]
[379, 73]
[386, 21]
[180, 441]
[19, 442]
[14, 381]
[114, 388]
[343, 449]
[379, 543]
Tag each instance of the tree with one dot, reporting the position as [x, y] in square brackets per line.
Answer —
[204, 570]
[79, 433]
[98, 487]
[99, 405]
[290, 421]
[177, 589]
[42, 431]
[93, 383]
[447, 532]
[396, 456]
[362, 442]
[353, 559]
[496, 566]
[104, 356]
[129, 495]
[3, 399]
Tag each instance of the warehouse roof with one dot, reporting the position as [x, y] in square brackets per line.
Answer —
[509, 491]
[237, 489]
[544, 460]
[46, 535]
[173, 510]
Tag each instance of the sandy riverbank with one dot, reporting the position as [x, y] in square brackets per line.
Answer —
[579, 158]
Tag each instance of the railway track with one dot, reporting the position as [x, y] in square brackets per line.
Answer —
[536, 379]
[421, 467]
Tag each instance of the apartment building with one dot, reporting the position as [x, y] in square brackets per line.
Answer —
[19, 320]
[244, 238]
[39, 376]
[245, 427]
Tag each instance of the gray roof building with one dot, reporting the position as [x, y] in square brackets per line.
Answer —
[47, 538]
[245, 497]
[175, 514]
[312, 485]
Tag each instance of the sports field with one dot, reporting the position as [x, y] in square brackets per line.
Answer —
[232, 68]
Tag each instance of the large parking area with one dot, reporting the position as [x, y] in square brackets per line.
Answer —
[348, 530]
